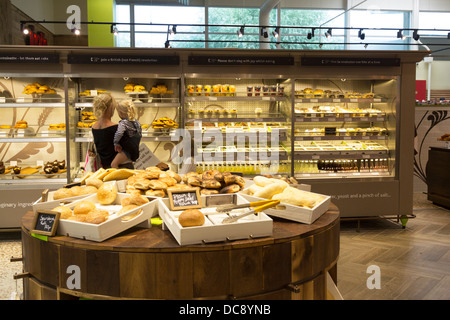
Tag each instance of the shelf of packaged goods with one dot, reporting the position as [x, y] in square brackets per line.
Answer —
[335, 155]
[334, 137]
[240, 118]
[340, 100]
[233, 98]
[210, 135]
[82, 105]
[340, 175]
[33, 105]
[256, 154]
[339, 118]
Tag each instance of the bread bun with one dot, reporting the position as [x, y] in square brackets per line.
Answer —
[209, 191]
[97, 216]
[135, 199]
[169, 181]
[65, 212]
[155, 193]
[62, 193]
[78, 218]
[90, 190]
[107, 193]
[191, 218]
[173, 174]
[93, 181]
[77, 191]
[232, 188]
[83, 207]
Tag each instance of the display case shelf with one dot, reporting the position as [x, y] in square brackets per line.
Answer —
[234, 98]
[33, 105]
[241, 118]
[340, 100]
[82, 105]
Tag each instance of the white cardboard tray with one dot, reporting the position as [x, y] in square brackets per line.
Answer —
[294, 213]
[213, 230]
[111, 227]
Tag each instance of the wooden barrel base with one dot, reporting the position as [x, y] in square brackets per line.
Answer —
[149, 264]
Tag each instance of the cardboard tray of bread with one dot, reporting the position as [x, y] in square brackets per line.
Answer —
[102, 215]
[208, 226]
[295, 204]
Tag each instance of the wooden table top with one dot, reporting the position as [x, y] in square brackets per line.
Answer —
[155, 239]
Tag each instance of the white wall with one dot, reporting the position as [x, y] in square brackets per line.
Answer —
[440, 74]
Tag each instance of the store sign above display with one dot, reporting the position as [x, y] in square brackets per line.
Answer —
[19, 57]
[349, 62]
[121, 59]
[240, 61]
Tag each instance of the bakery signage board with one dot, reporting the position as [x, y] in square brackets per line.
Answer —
[122, 59]
[240, 60]
[349, 62]
[183, 199]
[22, 57]
[45, 222]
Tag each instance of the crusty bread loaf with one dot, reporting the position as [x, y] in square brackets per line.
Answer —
[107, 193]
[191, 218]
[271, 189]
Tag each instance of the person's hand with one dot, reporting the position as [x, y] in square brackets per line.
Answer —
[118, 148]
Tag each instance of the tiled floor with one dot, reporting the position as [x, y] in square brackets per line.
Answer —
[414, 262]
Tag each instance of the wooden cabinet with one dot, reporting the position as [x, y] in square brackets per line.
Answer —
[438, 176]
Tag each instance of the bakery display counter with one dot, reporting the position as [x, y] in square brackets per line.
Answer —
[142, 263]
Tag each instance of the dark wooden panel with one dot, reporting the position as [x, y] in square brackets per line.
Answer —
[102, 269]
[276, 266]
[137, 275]
[175, 276]
[49, 263]
[211, 273]
[302, 251]
[246, 273]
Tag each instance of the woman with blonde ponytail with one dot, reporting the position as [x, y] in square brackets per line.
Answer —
[128, 134]
[104, 129]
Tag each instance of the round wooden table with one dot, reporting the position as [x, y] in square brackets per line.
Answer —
[149, 264]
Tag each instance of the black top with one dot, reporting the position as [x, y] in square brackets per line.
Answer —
[103, 139]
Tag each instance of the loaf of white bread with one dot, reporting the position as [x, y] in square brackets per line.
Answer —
[276, 189]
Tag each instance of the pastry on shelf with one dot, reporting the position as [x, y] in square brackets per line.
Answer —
[81, 124]
[38, 88]
[164, 122]
[58, 126]
[21, 125]
[5, 126]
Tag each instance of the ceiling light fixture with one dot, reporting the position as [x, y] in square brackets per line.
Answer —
[241, 32]
[264, 32]
[328, 33]
[311, 34]
[76, 31]
[114, 30]
[416, 36]
[174, 29]
[276, 32]
[167, 44]
[400, 34]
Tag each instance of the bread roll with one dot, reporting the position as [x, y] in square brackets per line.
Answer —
[62, 193]
[194, 181]
[83, 207]
[191, 218]
[253, 188]
[178, 186]
[229, 179]
[78, 218]
[209, 174]
[97, 216]
[90, 190]
[120, 174]
[155, 193]
[298, 197]
[65, 212]
[93, 181]
[232, 188]
[188, 175]
[168, 180]
[152, 172]
[142, 184]
[107, 193]
[173, 174]
[209, 191]
[262, 181]
[135, 199]
[270, 190]
[211, 184]
[240, 181]
[157, 185]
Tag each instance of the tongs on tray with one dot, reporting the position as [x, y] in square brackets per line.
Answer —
[256, 207]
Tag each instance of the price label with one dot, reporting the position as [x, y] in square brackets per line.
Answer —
[331, 119]
[314, 100]
[20, 100]
[336, 100]
[2, 99]
[315, 157]
[364, 119]
[183, 199]
[45, 222]
[94, 92]
[314, 119]
[353, 100]
[266, 98]
[212, 98]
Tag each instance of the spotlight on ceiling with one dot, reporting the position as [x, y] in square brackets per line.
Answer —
[174, 29]
[328, 33]
[416, 36]
[114, 30]
[167, 44]
[240, 32]
[310, 34]
[24, 29]
[276, 32]
[400, 34]
[76, 31]
[264, 32]
[361, 34]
